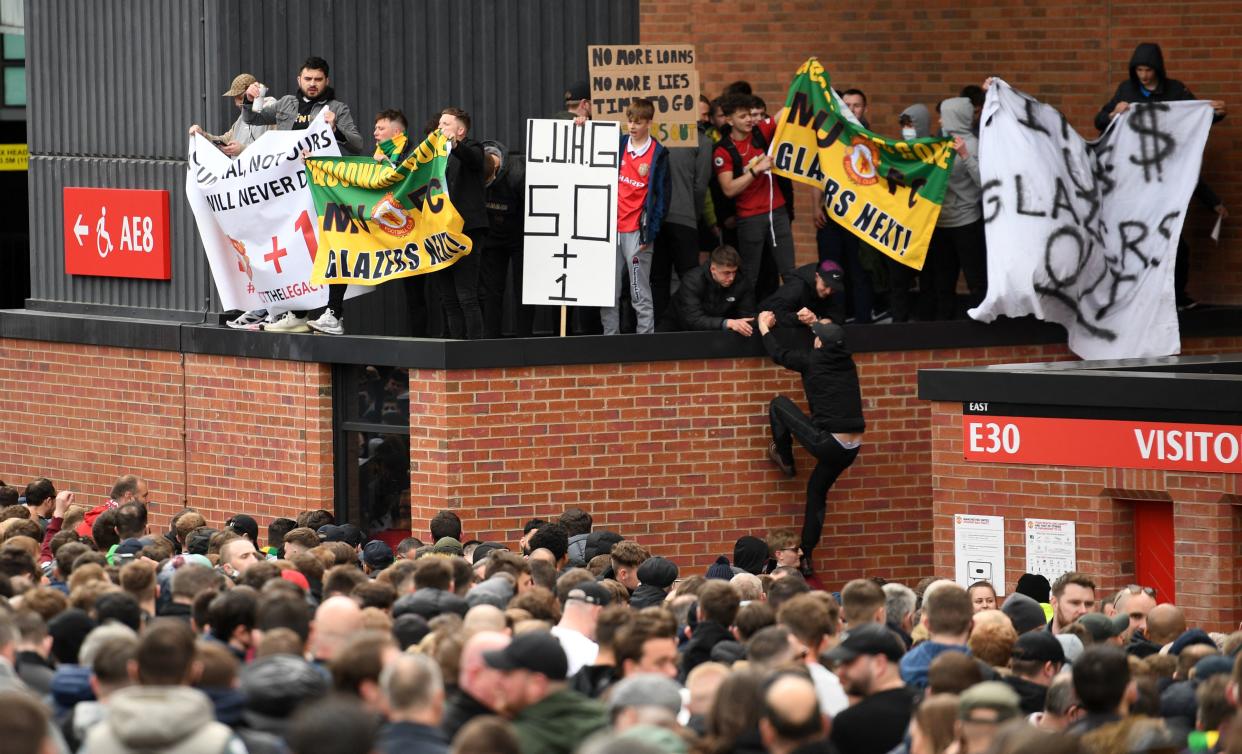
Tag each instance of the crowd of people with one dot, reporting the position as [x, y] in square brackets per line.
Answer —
[569, 638]
[712, 212]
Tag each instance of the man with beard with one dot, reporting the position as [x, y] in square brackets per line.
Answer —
[868, 657]
[295, 112]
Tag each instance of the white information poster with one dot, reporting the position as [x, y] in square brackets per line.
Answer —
[979, 550]
[1050, 547]
[571, 213]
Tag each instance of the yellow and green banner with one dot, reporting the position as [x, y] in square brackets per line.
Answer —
[887, 192]
[380, 220]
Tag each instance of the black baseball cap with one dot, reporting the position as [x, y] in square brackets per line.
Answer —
[868, 639]
[377, 554]
[578, 91]
[245, 526]
[591, 592]
[828, 333]
[331, 533]
[831, 274]
[1040, 646]
[536, 651]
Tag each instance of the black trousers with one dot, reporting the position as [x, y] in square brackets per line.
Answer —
[677, 247]
[458, 287]
[1181, 270]
[493, 280]
[789, 422]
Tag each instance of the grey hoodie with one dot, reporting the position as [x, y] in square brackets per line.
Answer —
[168, 719]
[690, 169]
[921, 118]
[961, 201]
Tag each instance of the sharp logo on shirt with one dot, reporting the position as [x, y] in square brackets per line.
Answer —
[630, 181]
[860, 161]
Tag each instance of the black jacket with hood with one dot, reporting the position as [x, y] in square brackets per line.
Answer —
[798, 292]
[1131, 90]
[830, 380]
[504, 198]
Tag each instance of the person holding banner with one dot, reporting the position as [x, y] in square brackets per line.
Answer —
[1148, 82]
[390, 125]
[743, 168]
[642, 202]
[958, 240]
[459, 285]
[295, 112]
[915, 123]
[833, 433]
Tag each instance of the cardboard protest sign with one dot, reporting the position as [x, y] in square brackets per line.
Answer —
[664, 74]
[571, 213]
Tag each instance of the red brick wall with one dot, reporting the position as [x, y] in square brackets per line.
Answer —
[1071, 55]
[223, 435]
[673, 455]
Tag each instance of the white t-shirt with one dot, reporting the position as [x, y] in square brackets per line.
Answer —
[828, 690]
[579, 650]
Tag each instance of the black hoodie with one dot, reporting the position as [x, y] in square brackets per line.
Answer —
[1131, 90]
[504, 195]
[830, 380]
[464, 174]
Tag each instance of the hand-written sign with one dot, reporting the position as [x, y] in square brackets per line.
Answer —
[571, 213]
[1085, 233]
[663, 74]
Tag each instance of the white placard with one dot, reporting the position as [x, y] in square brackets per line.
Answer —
[571, 213]
[1050, 547]
[979, 550]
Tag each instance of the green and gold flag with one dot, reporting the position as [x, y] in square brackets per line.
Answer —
[887, 192]
[380, 220]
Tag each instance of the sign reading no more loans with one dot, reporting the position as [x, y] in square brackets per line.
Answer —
[571, 213]
[664, 74]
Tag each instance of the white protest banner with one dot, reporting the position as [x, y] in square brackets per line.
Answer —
[571, 213]
[256, 218]
[1084, 233]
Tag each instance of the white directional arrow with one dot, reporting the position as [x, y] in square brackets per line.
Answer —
[79, 229]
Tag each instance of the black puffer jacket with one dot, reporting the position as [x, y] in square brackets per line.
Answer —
[704, 304]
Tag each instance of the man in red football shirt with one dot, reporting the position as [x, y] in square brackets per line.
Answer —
[642, 202]
[744, 171]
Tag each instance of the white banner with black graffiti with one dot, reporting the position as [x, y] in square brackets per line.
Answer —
[1084, 233]
[257, 219]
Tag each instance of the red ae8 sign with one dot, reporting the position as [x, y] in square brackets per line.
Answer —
[1101, 443]
[117, 233]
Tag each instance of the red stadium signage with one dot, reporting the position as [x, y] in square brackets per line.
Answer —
[1102, 443]
[117, 233]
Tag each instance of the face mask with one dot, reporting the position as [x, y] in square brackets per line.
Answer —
[909, 133]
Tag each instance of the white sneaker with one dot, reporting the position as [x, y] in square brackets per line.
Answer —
[328, 323]
[288, 322]
[248, 320]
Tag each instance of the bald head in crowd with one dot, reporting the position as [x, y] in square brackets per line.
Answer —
[791, 715]
[1165, 623]
[336, 620]
[474, 676]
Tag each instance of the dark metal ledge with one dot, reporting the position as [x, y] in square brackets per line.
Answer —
[195, 337]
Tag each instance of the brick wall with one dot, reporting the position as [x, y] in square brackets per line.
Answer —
[1071, 55]
[673, 455]
[221, 434]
